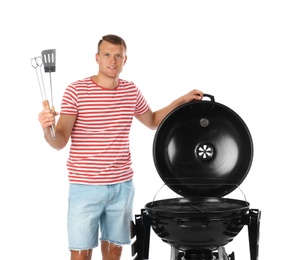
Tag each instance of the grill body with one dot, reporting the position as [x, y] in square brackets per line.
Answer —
[197, 223]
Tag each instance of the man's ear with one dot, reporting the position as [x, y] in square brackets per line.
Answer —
[97, 58]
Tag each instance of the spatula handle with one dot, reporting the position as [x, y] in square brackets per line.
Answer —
[46, 105]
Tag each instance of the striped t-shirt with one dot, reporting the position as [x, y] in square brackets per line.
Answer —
[99, 152]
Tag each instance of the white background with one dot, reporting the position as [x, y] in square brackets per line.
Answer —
[234, 50]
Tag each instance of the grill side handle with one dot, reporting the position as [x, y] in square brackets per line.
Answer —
[141, 231]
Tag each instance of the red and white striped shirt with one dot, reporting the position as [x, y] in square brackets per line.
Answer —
[99, 152]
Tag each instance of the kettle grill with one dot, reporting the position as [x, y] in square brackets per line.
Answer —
[202, 151]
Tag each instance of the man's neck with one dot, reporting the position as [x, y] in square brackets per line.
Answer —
[105, 82]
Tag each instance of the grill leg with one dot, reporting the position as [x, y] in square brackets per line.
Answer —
[176, 254]
[253, 231]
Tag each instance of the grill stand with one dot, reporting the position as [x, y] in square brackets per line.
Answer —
[140, 230]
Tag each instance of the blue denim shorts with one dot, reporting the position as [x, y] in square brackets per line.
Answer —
[108, 207]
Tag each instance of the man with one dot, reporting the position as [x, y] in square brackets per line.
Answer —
[97, 113]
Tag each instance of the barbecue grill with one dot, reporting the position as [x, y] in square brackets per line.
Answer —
[202, 151]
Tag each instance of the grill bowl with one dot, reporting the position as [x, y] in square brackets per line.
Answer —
[198, 222]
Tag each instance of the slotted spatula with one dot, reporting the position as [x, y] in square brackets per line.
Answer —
[49, 62]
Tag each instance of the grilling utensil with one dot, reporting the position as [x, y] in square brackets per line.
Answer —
[48, 60]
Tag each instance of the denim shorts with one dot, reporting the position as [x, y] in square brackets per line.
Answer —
[108, 207]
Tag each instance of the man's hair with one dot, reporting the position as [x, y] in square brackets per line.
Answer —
[113, 39]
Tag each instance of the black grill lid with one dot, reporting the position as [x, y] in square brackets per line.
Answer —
[203, 148]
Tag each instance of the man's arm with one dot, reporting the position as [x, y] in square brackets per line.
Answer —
[153, 119]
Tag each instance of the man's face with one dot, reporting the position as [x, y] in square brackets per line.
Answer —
[111, 59]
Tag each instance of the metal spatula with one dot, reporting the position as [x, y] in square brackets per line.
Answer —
[49, 62]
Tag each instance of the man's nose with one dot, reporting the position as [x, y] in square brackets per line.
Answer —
[113, 59]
